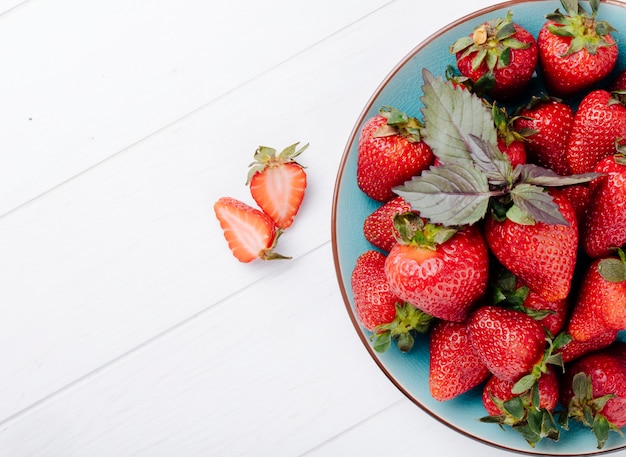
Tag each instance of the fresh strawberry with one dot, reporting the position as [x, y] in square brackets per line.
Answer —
[378, 226]
[576, 349]
[510, 292]
[576, 50]
[278, 183]
[594, 392]
[455, 368]
[601, 303]
[599, 123]
[499, 390]
[499, 56]
[530, 412]
[379, 310]
[546, 124]
[390, 152]
[541, 255]
[373, 301]
[509, 140]
[250, 233]
[439, 270]
[509, 342]
[604, 226]
[579, 196]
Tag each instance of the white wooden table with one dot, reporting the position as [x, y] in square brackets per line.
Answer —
[127, 327]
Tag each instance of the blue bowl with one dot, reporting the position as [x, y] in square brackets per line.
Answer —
[409, 371]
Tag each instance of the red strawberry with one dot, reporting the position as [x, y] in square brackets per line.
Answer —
[541, 255]
[438, 270]
[509, 342]
[578, 195]
[575, 49]
[510, 292]
[379, 310]
[530, 412]
[604, 226]
[546, 124]
[509, 140]
[454, 366]
[250, 233]
[601, 303]
[499, 56]
[502, 390]
[373, 301]
[576, 349]
[278, 182]
[599, 123]
[594, 392]
[390, 152]
[378, 226]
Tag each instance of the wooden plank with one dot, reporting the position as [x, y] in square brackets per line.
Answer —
[83, 80]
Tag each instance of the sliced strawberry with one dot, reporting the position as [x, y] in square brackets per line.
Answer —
[250, 233]
[277, 183]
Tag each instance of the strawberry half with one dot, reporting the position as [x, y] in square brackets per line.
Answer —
[278, 182]
[250, 233]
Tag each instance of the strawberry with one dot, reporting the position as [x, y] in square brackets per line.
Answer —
[541, 255]
[599, 123]
[619, 83]
[509, 140]
[378, 226]
[576, 349]
[390, 152]
[579, 196]
[499, 56]
[378, 310]
[278, 183]
[576, 50]
[498, 390]
[530, 412]
[509, 342]
[601, 303]
[510, 292]
[604, 226]
[250, 233]
[438, 270]
[594, 391]
[546, 124]
[455, 368]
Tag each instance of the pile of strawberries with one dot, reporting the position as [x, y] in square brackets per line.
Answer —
[501, 225]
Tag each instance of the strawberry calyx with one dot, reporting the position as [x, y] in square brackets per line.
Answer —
[408, 321]
[506, 291]
[269, 253]
[586, 409]
[613, 269]
[524, 415]
[265, 157]
[504, 125]
[414, 230]
[399, 123]
[585, 30]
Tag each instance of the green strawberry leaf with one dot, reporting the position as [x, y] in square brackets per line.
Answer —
[451, 114]
[534, 202]
[448, 194]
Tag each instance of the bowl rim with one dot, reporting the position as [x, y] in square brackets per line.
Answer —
[335, 252]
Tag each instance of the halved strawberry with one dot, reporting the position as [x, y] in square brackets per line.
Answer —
[277, 183]
[250, 233]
